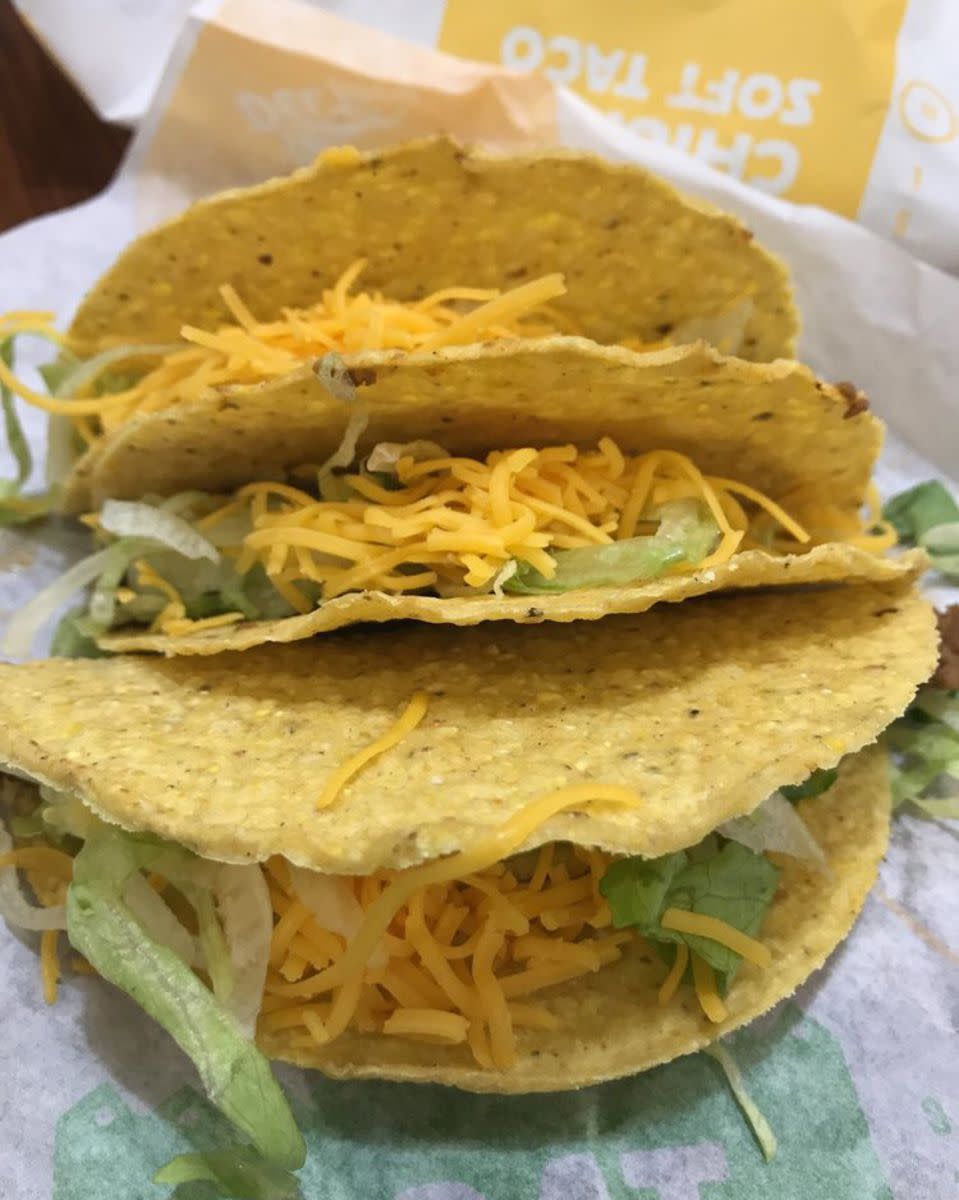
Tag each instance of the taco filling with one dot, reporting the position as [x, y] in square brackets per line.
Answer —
[454, 952]
[413, 519]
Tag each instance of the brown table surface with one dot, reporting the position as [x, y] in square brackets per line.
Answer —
[54, 150]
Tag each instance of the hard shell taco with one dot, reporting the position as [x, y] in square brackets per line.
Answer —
[461, 868]
[523, 481]
[450, 246]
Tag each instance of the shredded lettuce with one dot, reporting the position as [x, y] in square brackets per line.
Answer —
[16, 509]
[384, 456]
[120, 555]
[750, 1109]
[64, 816]
[928, 516]
[776, 825]
[28, 621]
[55, 374]
[187, 559]
[924, 752]
[235, 1074]
[339, 382]
[686, 533]
[725, 330]
[919, 509]
[71, 639]
[207, 582]
[64, 447]
[235, 1171]
[208, 589]
[729, 882]
[93, 373]
[159, 920]
[818, 782]
[216, 955]
[246, 914]
[66, 377]
[16, 438]
[127, 518]
[941, 543]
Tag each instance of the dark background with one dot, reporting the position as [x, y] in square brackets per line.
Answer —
[54, 150]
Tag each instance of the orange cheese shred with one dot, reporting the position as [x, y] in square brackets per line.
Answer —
[411, 716]
[49, 964]
[676, 973]
[704, 981]
[727, 935]
[40, 858]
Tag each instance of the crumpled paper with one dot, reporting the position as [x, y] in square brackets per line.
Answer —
[857, 1074]
[855, 110]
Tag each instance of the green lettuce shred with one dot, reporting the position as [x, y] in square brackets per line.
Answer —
[55, 374]
[234, 1171]
[16, 439]
[729, 882]
[924, 753]
[15, 508]
[686, 534]
[235, 1074]
[72, 640]
[920, 508]
[928, 516]
[761, 1128]
[818, 782]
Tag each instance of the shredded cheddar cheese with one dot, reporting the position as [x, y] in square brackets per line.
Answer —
[458, 523]
[49, 964]
[414, 712]
[48, 864]
[40, 858]
[827, 523]
[704, 981]
[462, 955]
[505, 840]
[717, 931]
[676, 972]
[252, 350]
[466, 956]
[428, 1024]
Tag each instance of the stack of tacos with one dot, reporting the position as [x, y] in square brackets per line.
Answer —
[565, 765]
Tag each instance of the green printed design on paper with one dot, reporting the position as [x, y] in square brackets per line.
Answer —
[936, 1116]
[672, 1134]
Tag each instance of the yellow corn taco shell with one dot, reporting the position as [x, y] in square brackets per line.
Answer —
[639, 258]
[702, 709]
[775, 426]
